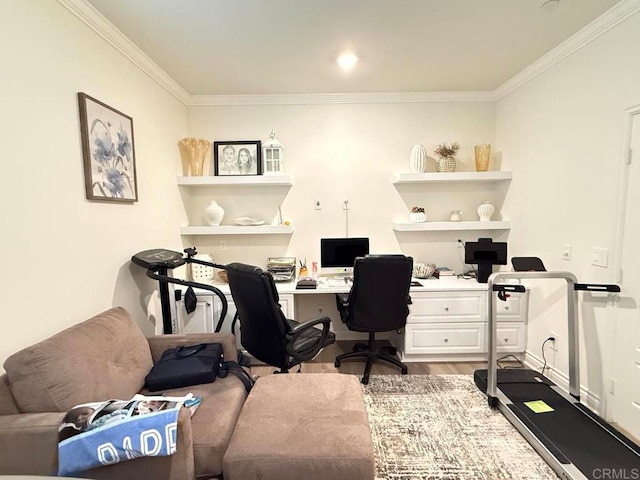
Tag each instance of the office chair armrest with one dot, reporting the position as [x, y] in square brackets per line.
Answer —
[300, 330]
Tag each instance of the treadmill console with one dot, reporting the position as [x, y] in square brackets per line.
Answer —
[158, 258]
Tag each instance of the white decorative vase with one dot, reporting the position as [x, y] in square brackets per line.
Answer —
[485, 211]
[418, 159]
[417, 217]
[455, 215]
[213, 213]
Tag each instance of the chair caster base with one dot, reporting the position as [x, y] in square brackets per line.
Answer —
[336, 364]
[404, 371]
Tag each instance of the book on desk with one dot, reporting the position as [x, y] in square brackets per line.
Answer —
[306, 282]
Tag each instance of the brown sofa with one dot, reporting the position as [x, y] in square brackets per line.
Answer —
[108, 357]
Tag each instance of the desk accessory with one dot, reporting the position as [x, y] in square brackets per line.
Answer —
[282, 269]
[306, 282]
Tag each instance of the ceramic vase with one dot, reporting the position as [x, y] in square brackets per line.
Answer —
[482, 157]
[193, 152]
[485, 211]
[213, 213]
[417, 217]
[446, 164]
[418, 159]
[455, 215]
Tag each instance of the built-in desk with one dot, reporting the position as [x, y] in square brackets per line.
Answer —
[447, 318]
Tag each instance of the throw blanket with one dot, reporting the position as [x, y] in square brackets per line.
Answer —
[103, 433]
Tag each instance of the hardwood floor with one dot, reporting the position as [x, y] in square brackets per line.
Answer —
[323, 363]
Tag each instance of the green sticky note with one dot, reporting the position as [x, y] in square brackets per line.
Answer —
[538, 406]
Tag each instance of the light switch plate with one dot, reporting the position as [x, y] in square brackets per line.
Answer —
[600, 257]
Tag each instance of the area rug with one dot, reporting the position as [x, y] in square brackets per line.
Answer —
[440, 427]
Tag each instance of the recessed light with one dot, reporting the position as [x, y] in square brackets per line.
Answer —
[347, 61]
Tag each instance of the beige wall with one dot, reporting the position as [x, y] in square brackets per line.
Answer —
[345, 151]
[66, 258]
[563, 134]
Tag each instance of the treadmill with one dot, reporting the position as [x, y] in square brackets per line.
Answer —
[574, 441]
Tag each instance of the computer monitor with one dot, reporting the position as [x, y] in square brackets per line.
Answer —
[338, 254]
[485, 253]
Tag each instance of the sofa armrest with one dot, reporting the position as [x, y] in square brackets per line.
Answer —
[178, 466]
[160, 343]
[29, 443]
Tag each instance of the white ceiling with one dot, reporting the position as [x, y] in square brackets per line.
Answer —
[238, 47]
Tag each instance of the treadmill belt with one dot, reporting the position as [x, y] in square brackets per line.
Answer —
[580, 439]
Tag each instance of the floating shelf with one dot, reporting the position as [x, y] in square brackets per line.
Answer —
[444, 177]
[249, 180]
[444, 226]
[237, 230]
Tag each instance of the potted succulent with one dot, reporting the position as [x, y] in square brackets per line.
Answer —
[446, 157]
[417, 215]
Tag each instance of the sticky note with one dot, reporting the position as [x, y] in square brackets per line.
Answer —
[538, 406]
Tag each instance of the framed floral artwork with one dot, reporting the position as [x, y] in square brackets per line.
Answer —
[239, 157]
[107, 151]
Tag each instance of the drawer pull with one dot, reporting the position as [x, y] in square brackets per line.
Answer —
[446, 340]
[446, 309]
[506, 340]
[208, 304]
[506, 307]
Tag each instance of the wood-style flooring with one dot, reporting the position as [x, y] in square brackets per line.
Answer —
[323, 363]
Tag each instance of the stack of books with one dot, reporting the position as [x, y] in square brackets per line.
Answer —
[443, 272]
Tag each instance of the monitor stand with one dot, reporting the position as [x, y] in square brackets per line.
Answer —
[484, 271]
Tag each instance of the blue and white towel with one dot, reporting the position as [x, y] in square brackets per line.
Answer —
[103, 433]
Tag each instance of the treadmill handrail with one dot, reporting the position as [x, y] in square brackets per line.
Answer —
[204, 286]
[572, 316]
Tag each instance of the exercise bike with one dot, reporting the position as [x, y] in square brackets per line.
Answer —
[159, 264]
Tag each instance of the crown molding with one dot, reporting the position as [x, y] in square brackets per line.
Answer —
[612, 17]
[341, 98]
[96, 21]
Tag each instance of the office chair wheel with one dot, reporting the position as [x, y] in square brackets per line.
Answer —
[359, 347]
[404, 371]
[336, 364]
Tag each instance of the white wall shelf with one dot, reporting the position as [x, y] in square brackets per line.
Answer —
[443, 177]
[237, 230]
[248, 180]
[450, 226]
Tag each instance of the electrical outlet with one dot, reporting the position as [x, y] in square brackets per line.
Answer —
[320, 309]
[460, 244]
[223, 245]
[553, 344]
[317, 205]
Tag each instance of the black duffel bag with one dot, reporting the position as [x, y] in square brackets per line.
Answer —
[192, 365]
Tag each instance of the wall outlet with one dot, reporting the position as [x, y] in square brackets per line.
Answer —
[600, 257]
[319, 308]
[553, 344]
[223, 245]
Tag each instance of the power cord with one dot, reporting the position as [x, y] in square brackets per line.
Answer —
[467, 274]
[549, 339]
[520, 364]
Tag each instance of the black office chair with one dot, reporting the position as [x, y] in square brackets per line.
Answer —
[378, 302]
[264, 330]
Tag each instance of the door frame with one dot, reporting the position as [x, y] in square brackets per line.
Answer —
[623, 190]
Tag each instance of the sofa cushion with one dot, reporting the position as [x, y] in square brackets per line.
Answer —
[213, 423]
[104, 357]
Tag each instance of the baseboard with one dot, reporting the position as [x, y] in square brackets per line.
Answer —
[588, 398]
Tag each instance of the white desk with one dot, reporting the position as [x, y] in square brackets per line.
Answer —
[447, 318]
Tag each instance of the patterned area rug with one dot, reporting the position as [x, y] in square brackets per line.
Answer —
[440, 427]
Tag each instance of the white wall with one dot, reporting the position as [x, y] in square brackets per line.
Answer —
[66, 258]
[562, 135]
[345, 151]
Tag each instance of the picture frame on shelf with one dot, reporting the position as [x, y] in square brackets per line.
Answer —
[108, 152]
[238, 157]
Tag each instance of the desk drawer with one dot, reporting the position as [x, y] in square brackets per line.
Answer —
[446, 306]
[445, 338]
[511, 337]
[514, 308]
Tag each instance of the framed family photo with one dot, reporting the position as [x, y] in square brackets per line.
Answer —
[241, 157]
[107, 151]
